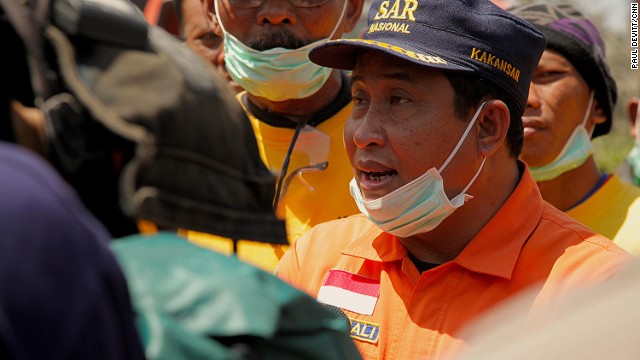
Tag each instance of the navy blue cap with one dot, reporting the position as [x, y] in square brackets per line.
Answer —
[451, 35]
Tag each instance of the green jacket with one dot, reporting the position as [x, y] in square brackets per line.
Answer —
[193, 303]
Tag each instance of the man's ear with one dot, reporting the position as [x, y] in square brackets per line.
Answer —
[210, 12]
[493, 122]
[352, 15]
[597, 113]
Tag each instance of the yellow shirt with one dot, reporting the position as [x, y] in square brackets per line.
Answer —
[311, 197]
[613, 211]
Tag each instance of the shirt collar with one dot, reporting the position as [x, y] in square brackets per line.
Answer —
[493, 251]
[383, 248]
[496, 248]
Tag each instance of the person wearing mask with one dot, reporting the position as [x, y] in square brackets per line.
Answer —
[629, 170]
[571, 101]
[452, 222]
[297, 109]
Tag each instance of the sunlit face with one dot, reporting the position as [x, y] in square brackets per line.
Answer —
[557, 104]
[402, 124]
[278, 23]
[200, 36]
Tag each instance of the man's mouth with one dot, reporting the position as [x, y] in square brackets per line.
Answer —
[279, 39]
[532, 126]
[377, 175]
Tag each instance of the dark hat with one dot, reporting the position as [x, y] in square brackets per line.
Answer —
[132, 113]
[197, 165]
[576, 38]
[451, 35]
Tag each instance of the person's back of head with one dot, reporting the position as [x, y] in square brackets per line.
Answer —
[63, 294]
[143, 129]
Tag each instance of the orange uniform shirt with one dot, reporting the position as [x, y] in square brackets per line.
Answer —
[398, 313]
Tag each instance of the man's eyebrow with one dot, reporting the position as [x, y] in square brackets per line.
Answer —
[399, 75]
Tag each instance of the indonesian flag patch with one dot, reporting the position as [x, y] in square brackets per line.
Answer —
[350, 292]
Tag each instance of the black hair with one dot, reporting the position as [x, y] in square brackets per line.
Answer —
[16, 81]
[178, 6]
[470, 90]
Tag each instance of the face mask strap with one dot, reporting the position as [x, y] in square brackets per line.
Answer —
[216, 15]
[335, 28]
[474, 176]
[464, 136]
[586, 115]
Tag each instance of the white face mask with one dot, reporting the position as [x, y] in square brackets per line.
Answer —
[419, 206]
[277, 74]
[575, 152]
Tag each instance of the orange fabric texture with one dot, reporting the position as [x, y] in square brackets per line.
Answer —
[528, 242]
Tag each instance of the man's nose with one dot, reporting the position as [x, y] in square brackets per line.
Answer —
[277, 12]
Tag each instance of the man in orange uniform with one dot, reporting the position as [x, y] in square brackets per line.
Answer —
[452, 222]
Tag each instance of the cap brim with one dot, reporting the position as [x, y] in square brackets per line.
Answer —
[343, 53]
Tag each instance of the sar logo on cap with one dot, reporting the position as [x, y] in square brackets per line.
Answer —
[399, 10]
[394, 13]
[466, 36]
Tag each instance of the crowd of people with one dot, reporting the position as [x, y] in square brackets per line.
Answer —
[247, 182]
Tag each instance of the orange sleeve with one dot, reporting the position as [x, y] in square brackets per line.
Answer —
[289, 266]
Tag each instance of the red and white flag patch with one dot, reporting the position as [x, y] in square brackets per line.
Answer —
[350, 292]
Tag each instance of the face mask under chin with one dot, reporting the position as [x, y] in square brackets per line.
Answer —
[575, 152]
[422, 204]
[277, 74]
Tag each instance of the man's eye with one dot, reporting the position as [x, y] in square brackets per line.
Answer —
[357, 100]
[394, 100]
[210, 40]
[551, 73]
[548, 76]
